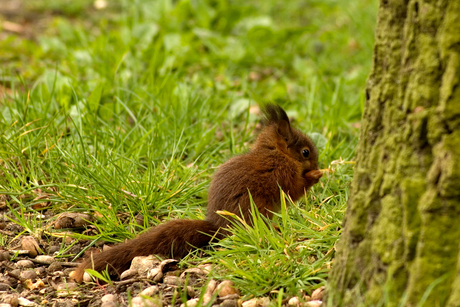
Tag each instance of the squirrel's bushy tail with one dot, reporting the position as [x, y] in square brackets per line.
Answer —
[173, 239]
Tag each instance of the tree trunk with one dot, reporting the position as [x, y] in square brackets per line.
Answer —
[401, 237]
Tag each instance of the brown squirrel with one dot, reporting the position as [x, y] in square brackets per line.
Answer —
[282, 157]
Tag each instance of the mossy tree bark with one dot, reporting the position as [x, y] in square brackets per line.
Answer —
[401, 238]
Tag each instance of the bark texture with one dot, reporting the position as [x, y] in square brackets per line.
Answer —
[401, 238]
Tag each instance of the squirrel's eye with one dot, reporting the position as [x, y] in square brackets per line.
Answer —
[305, 153]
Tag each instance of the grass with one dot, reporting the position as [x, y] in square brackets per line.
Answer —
[125, 113]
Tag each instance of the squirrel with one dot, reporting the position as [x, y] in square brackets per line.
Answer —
[282, 157]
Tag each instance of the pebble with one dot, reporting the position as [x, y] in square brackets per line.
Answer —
[53, 249]
[128, 274]
[66, 286]
[4, 286]
[5, 305]
[250, 303]
[317, 295]
[294, 301]
[171, 280]
[72, 220]
[168, 265]
[193, 276]
[55, 266]
[206, 267]
[27, 264]
[155, 274]
[191, 303]
[207, 297]
[87, 277]
[143, 302]
[150, 291]
[190, 291]
[30, 244]
[40, 270]
[229, 303]
[29, 274]
[257, 302]
[46, 259]
[109, 298]
[25, 302]
[11, 299]
[226, 288]
[315, 303]
[230, 297]
[143, 264]
[4, 255]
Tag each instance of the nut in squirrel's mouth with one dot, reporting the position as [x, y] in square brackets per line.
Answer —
[315, 173]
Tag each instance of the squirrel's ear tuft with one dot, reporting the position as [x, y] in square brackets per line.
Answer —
[275, 115]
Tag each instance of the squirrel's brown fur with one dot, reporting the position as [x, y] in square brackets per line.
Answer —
[282, 157]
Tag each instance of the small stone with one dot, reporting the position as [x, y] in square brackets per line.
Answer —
[30, 244]
[128, 274]
[171, 280]
[229, 303]
[315, 303]
[4, 286]
[230, 297]
[294, 301]
[306, 298]
[25, 302]
[72, 220]
[4, 255]
[45, 259]
[190, 291]
[20, 252]
[168, 265]
[5, 305]
[211, 287]
[317, 295]
[257, 302]
[55, 266]
[207, 268]
[11, 299]
[29, 274]
[87, 277]
[54, 249]
[191, 303]
[155, 274]
[40, 270]
[193, 276]
[250, 303]
[27, 264]
[150, 291]
[143, 264]
[208, 297]
[227, 287]
[66, 286]
[145, 302]
[109, 298]
[264, 301]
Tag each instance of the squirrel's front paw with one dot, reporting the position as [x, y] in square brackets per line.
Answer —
[313, 176]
